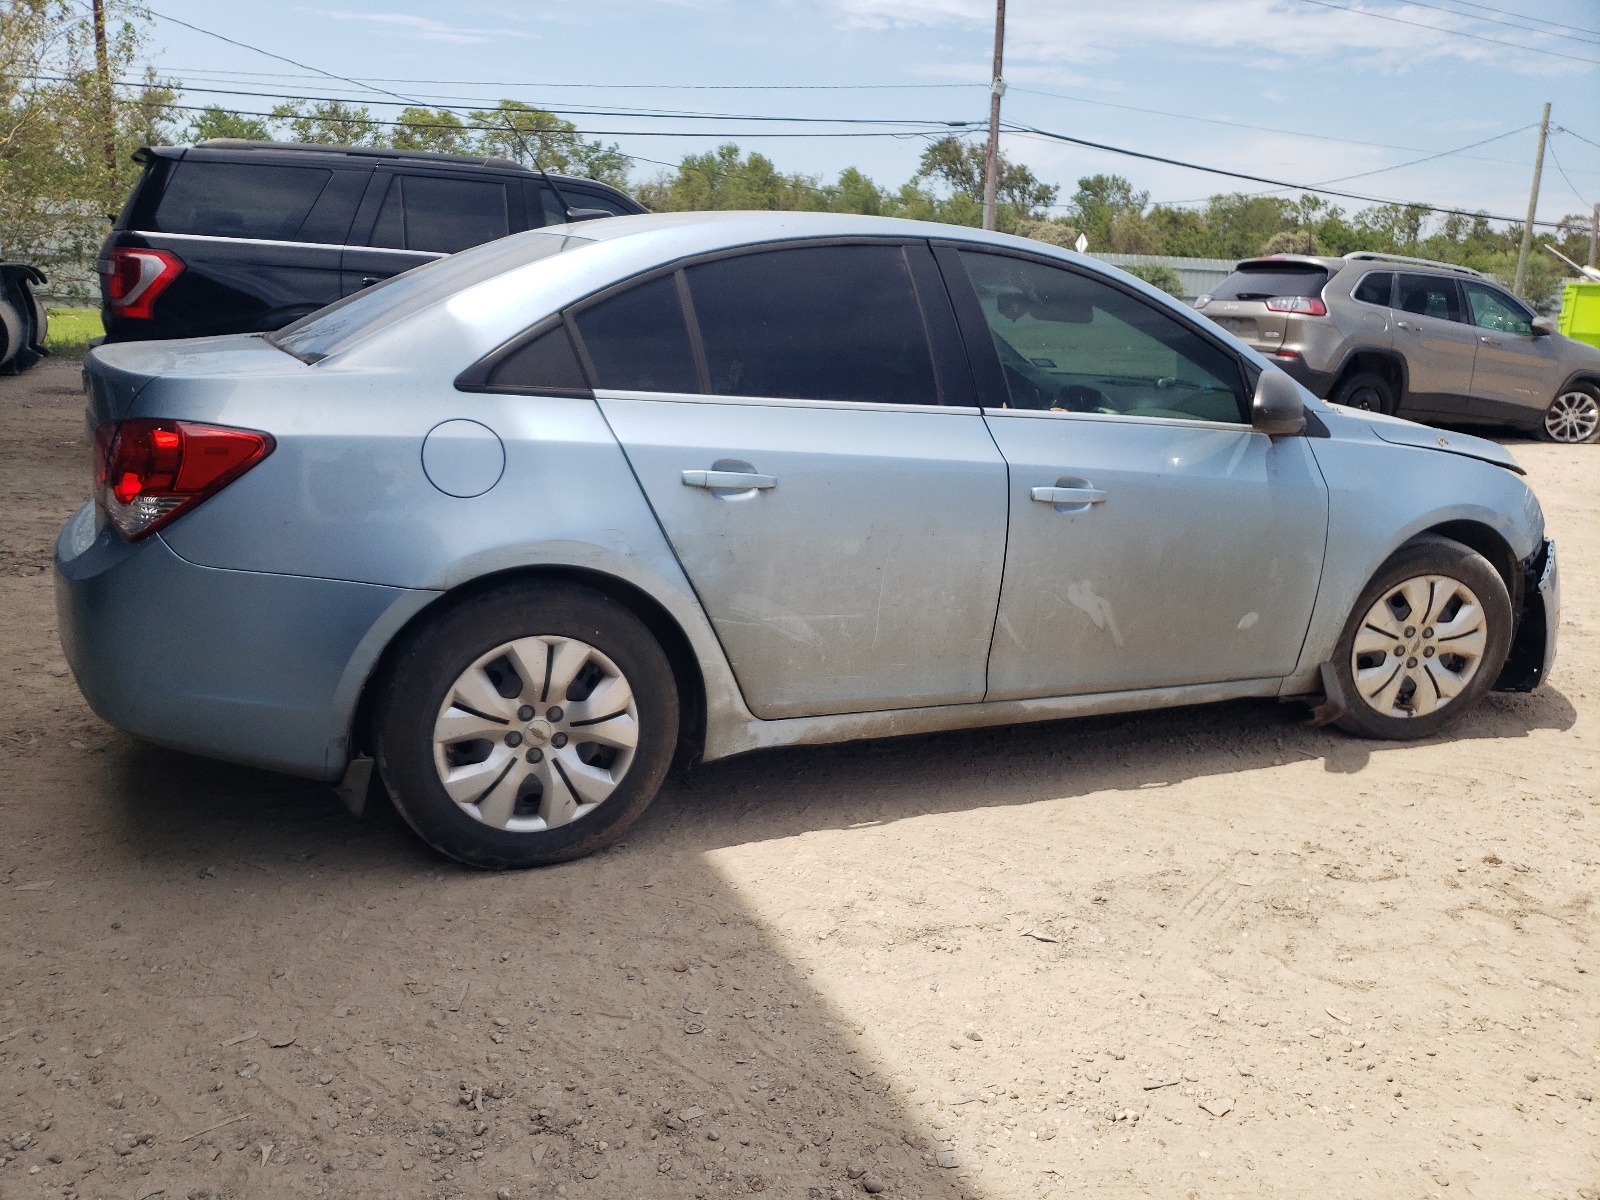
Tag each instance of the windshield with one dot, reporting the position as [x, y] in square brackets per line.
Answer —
[1260, 282]
[328, 330]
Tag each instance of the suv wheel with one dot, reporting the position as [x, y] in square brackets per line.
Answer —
[1368, 390]
[529, 725]
[1573, 417]
[1425, 641]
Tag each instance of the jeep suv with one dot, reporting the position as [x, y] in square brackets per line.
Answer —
[233, 236]
[1424, 340]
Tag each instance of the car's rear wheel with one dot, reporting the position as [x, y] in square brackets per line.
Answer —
[1368, 390]
[1573, 417]
[526, 726]
[1424, 642]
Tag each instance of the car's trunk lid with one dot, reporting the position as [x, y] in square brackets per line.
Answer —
[115, 374]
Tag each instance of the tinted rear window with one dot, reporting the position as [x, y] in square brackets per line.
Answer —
[239, 200]
[1258, 283]
[638, 341]
[823, 323]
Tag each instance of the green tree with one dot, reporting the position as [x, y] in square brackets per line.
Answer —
[217, 122]
[726, 179]
[331, 123]
[57, 182]
[540, 139]
[1158, 275]
[439, 130]
[959, 165]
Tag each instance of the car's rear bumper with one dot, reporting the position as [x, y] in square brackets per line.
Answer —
[251, 667]
[1533, 650]
[1318, 383]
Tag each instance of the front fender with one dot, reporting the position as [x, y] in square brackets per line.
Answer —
[1380, 496]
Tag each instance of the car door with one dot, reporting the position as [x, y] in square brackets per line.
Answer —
[1515, 374]
[1155, 539]
[843, 529]
[1432, 332]
[410, 219]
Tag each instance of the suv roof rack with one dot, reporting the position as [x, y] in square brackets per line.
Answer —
[361, 152]
[1380, 256]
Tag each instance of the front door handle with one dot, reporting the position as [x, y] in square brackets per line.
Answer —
[1488, 341]
[1069, 495]
[740, 480]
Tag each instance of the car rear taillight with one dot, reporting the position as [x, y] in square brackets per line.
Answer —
[134, 278]
[1309, 305]
[147, 473]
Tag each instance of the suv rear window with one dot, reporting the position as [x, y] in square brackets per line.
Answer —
[1259, 281]
[241, 200]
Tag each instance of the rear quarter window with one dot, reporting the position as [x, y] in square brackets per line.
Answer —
[1261, 283]
[243, 200]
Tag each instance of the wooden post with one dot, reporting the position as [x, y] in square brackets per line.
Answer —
[997, 88]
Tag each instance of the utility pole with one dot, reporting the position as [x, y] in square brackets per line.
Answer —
[1594, 236]
[1533, 206]
[103, 67]
[997, 88]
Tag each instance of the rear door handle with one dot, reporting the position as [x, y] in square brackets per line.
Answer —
[1488, 341]
[1407, 325]
[1069, 495]
[741, 480]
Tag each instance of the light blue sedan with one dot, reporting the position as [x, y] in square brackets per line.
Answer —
[521, 528]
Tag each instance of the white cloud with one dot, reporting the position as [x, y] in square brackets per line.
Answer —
[1047, 32]
[423, 29]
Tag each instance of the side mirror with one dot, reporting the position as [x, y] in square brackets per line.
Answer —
[1276, 408]
[1543, 327]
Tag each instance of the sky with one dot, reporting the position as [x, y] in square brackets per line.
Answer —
[1308, 91]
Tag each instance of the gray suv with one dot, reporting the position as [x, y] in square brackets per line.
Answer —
[1425, 340]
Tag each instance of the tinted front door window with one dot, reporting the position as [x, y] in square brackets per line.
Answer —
[422, 212]
[1070, 342]
[817, 323]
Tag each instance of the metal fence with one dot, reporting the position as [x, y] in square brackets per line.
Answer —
[1198, 275]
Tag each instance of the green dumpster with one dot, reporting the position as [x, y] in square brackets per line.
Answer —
[1580, 312]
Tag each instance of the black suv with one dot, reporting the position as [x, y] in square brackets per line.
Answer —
[232, 236]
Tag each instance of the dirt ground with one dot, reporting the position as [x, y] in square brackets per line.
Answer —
[1200, 953]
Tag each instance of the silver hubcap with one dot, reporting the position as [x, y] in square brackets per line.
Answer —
[1573, 417]
[1419, 646]
[536, 734]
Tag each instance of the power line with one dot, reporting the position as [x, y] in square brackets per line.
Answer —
[1524, 17]
[1550, 146]
[602, 111]
[1361, 12]
[1321, 137]
[1579, 136]
[1442, 154]
[668, 87]
[376, 121]
[292, 62]
[1587, 41]
[1276, 183]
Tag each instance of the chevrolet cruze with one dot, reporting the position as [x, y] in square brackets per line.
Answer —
[510, 534]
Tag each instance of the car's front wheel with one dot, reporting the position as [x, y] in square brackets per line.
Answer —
[528, 725]
[1425, 641]
[1573, 417]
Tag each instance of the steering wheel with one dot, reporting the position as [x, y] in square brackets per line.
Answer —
[1078, 397]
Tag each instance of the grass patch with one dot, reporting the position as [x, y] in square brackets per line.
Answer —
[71, 330]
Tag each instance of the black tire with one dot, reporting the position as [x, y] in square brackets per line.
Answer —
[1573, 418]
[427, 668]
[1436, 556]
[1367, 390]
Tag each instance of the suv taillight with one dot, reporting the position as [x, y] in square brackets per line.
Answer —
[147, 473]
[1309, 305]
[134, 278]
